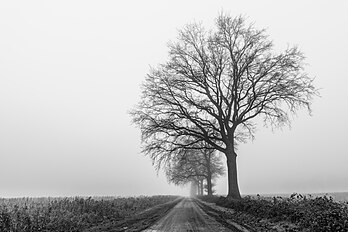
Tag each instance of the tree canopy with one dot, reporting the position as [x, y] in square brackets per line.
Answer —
[213, 86]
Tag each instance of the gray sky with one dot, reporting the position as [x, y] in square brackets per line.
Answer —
[70, 71]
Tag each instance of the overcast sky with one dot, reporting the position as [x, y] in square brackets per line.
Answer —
[71, 70]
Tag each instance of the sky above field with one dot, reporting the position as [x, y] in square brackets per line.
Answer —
[71, 70]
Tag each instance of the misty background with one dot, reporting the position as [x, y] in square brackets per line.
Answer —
[71, 70]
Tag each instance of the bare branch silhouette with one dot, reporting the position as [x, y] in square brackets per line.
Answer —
[215, 83]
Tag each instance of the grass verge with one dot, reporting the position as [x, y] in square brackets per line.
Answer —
[310, 214]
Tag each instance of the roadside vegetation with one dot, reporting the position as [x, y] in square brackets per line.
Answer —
[70, 214]
[306, 212]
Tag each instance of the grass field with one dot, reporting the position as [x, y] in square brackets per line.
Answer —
[337, 196]
[70, 214]
[309, 213]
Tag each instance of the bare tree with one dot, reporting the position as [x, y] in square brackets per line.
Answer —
[215, 83]
[196, 166]
[181, 170]
[214, 168]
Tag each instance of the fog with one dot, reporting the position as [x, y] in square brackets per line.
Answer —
[70, 71]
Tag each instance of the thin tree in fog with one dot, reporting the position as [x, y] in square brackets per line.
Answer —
[213, 87]
[195, 165]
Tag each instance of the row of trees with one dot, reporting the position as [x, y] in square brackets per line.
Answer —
[210, 91]
[196, 167]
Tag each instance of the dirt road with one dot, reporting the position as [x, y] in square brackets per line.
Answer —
[188, 216]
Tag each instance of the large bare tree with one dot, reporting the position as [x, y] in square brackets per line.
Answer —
[213, 87]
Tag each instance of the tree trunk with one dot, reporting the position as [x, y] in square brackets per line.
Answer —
[209, 185]
[202, 187]
[194, 188]
[233, 189]
[198, 187]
